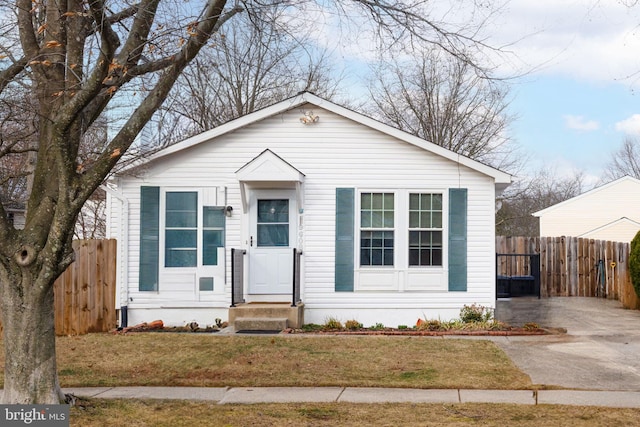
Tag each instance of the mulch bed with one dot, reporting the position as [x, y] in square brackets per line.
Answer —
[412, 332]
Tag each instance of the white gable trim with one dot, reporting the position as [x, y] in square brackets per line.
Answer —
[618, 221]
[586, 194]
[269, 168]
[502, 179]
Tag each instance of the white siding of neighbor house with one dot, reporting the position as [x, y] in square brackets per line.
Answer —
[334, 152]
[597, 214]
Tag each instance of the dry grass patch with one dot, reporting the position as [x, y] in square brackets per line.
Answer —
[174, 413]
[168, 359]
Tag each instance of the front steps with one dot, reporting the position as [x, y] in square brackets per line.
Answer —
[266, 316]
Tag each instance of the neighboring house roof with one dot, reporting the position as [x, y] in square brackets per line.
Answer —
[620, 225]
[587, 194]
[502, 179]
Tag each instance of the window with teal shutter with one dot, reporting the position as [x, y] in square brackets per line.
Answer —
[344, 265]
[149, 242]
[458, 239]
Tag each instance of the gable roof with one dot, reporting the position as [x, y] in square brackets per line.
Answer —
[502, 179]
[617, 224]
[589, 193]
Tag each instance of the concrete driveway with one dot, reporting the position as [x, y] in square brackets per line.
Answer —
[600, 351]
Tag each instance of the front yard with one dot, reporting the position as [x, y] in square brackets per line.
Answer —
[174, 359]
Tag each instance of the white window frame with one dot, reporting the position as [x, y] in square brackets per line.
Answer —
[401, 277]
[360, 229]
[441, 229]
[199, 270]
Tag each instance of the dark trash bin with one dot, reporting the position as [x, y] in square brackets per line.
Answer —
[522, 286]
[502, 287]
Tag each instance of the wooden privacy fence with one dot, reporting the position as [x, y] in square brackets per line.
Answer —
[573, 266]
[85, 293]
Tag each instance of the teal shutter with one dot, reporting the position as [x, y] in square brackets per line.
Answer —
[458, 239]
[345, 211]
[149, 242]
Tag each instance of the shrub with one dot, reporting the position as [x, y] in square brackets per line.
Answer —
[377, 327]
[475, 313]
[352, 325]
[634, 263]
[429, 325]
[332, 324]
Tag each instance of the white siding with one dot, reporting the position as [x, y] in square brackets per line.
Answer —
[589, 214]
[335, 152]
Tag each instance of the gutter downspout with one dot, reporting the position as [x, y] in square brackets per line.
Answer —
[123, 255]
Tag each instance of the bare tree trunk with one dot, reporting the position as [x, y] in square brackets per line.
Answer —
[30, 374]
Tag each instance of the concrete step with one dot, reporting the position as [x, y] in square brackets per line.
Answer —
[293, 315]
[260, 324]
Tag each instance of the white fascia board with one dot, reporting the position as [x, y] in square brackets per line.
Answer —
[586, 194]
[502, 179]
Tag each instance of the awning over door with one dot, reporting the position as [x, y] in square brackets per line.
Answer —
[268, 170]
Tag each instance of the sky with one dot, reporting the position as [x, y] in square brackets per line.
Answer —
[574, 78]
[582, 97]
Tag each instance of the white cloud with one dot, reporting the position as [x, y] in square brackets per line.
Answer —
[630, 126]
[580, 123]
[582, 39]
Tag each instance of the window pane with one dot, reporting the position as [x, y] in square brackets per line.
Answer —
[437, 202]
[425, 202]
[436, 220]
[273, 234]
[180, 258]
[181, 239]
[388, 201]
[213, 217]
[181, 209]
[377, 213]
[206, 283]
[414, 257]
[365, 201]
[414, 202]
[376, 248]
[388, 257]
[425, 248]
[388, 219]
[414, 219]
[376, 202]
[271, 211]
[425, 220]
[436, 257]
[376, 219]
[365, 219]
[365, 259]
[211, 241]
[178, 200]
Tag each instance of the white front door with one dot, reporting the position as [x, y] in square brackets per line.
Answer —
[273, 220]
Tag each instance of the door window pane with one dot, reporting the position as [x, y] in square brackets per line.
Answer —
[273, 223]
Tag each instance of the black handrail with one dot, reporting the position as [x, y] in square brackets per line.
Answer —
[237, 276]
[296, 278]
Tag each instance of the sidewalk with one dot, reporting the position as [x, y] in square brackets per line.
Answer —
[248, 395]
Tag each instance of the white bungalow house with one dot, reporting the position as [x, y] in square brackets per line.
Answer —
[310, 204]
[609, 212]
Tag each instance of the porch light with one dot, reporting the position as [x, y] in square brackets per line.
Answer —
[228, 211]
[309, 118]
